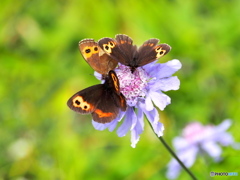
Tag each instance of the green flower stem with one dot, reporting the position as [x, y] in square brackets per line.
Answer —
[175, 156]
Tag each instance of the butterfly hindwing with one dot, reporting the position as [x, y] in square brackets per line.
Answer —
[96, 57]
[120, 49]
[127, 48]
[107, 108]
[85, 101]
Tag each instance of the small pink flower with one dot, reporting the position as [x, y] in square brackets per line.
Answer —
[197, 138]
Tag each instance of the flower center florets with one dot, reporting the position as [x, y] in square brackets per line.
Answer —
[132, 85]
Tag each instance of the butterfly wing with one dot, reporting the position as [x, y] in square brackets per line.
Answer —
[98, 101]
[150, 52]
[111, 101]
[121, 49]
[113, 83]
[108, 107]
[96, 57]
[85, 101]
[104, 101]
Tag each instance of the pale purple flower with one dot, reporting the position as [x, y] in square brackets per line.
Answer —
[143, 89]
[197, 139]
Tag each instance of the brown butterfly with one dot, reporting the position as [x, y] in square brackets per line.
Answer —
[103, 101]
[96, 57]
[122, 50]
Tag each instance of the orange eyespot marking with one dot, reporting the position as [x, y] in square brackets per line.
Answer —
[80, 103]
[115, 81]
[111, 44]
[103, 114]
[122, 42]
[160, 52]
[108, 47]
[89, 51]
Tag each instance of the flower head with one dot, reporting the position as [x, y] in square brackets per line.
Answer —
[196, 139]
[143, 89]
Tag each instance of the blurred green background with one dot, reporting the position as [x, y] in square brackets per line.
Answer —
[41, 67]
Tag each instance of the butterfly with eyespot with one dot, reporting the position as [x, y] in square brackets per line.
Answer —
[96, 57]
[103, 101]
[122, 50]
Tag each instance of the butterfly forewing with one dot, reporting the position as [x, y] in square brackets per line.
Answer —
[85, 101]
[114, 50]
[96, 57]
[128, 50]
[147, 46]
[150, 51]
[122, 50]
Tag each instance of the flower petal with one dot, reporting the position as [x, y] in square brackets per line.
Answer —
[98, 75]
[187, 156]
[153, 118]
[134, 138]
[135, 134]
[151, 67]
[224, 139]
[212, 149]
[219, 134]
[158, 129]
[166, 69]
[166, 84]
[173, 170]
[111, 125]
[100, 126]
[140, 117]
[134, 120]
[137, 129]
[159, 99]
[224, 125]
[180, 143]
[130, 117]
[148, 103]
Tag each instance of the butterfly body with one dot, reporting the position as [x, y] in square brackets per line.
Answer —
[122, 50]
[103, 101]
